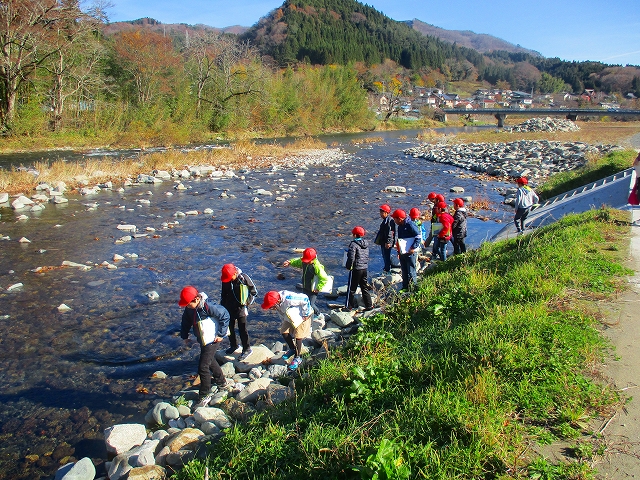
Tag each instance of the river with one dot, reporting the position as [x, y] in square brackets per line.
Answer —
[67, 376]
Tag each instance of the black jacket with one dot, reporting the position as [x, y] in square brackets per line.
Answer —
[459, 227]
[358, 255]
[386, 233]
[230, 295]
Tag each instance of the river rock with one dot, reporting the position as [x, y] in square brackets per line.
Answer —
[209, 428]
[341, 319]
[162, 175]
[144, 454]
[212, 414]
[179, 458]
[24, 240]
[259, 354]
[180, 423]
[153, 295]
[127, 227]
[59, 200]
[277, 393]
[186, 439]
[276, 371]
[4, 197]
[321, 336]
[63, 308]
[148, 472]
[83, 469]
[254, 390]
[119, 467]
[456, 190]
[395, 189]
[123, 437]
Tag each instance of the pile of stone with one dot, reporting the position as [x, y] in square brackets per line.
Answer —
[177, 430]
[536, 159]
[546, 124]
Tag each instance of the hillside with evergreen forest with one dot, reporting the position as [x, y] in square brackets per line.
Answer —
[322, 32]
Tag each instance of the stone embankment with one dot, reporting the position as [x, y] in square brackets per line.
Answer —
[177, 430]
[546, 124]
[536, 159]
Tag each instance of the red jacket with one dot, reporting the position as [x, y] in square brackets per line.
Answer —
[447, 221]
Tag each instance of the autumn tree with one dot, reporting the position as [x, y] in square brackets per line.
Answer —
[148, 58]
[29, 32]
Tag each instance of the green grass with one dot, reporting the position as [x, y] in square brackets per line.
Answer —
[596, 169]
[491, 353]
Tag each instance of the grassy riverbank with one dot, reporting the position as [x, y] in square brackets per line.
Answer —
[496, 352]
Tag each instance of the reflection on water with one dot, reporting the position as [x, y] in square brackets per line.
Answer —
[78, 372]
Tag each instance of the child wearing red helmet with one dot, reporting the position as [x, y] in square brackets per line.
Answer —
[237, 292]
[314, 276]
[525, 199]
[386, 236]
[444, 235]
[357, 264]
[196, 310]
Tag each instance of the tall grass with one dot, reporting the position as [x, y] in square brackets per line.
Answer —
[492, 352]
[242, 153]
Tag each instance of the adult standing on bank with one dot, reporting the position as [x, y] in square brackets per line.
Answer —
[386, 236]
[237, 292]
[459, 226]
[634, 196]
[314, 276]
[525, 199]
[210, 323]
[357, 264]
[407, 243]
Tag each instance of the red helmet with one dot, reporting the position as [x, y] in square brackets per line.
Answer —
[358, 231]
[432, 196]
[522, 181]
[385, 208]
[458, 202]
[187, 295]
[399, 214]
[228, 271]
[414, 213]
[439, 198]
[442, 205]
[270, 299]
[309, 255]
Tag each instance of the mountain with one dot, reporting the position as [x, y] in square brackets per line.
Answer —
[481, 42]
[344, 31]
[173, 29]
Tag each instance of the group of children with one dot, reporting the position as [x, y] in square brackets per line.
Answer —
[407, 235]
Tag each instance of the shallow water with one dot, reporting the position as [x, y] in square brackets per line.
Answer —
[67, 376]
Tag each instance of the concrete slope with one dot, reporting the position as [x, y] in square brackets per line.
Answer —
[612, 191]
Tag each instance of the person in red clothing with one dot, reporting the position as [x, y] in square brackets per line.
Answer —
[444, 235]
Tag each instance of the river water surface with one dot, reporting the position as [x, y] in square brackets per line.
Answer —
[65, 377]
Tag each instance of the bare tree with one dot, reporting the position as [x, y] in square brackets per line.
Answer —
[27, 32]
[223, 69]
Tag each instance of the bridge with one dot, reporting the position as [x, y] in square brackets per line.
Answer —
[569, 113]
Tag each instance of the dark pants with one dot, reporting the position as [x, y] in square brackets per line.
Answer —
[520, 217]
[386, 258]
[208, 367]
[312, 300]
[408, 267]
[358, 278]
[459, 246]
[244, 334]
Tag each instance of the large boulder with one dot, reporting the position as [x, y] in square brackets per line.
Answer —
[148, 472]
[212, 414]
[342, 319]
[123, 437]
[83, 469]
[254, 390]
[186, 439]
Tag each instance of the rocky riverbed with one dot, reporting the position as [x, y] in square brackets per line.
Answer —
[536, 159]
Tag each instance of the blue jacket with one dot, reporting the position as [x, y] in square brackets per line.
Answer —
[408, 230]
[217, 313]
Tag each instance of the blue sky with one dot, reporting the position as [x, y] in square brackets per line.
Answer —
[572, 30]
